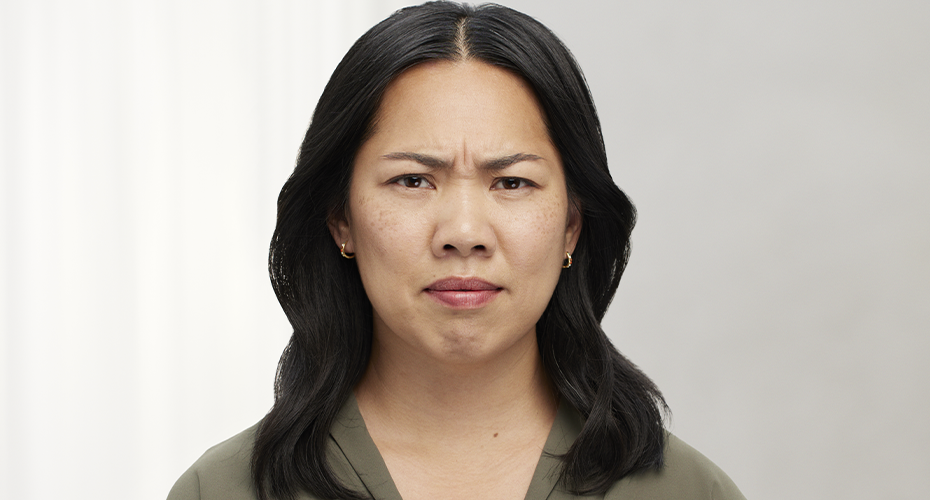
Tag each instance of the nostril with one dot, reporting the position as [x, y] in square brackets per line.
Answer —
[448, 246]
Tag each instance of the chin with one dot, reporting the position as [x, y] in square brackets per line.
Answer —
[478, 346]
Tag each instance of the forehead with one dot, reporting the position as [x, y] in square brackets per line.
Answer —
[458, 77]
[447, 102]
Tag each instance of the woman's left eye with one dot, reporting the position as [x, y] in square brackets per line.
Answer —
[511, 183]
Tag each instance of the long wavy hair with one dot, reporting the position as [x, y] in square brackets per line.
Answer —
[322, 293]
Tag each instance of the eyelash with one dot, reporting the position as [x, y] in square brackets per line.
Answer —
[400, 180]
[519, 180]
[498, 183]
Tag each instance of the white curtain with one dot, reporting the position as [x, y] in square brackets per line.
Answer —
[143, 145]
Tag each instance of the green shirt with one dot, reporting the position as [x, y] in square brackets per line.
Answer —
[222, 473]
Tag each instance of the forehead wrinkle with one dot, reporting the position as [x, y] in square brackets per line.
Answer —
[433, 162]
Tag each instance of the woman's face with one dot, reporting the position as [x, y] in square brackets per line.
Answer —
[458, 214]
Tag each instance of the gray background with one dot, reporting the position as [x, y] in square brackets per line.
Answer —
[779, 287]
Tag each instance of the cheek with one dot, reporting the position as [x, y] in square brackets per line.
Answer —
[538, 236]
[383, 234]
[379, 232]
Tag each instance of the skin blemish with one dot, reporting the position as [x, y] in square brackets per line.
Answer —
[495, 434]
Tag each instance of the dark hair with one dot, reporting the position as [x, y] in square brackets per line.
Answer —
[322, 293]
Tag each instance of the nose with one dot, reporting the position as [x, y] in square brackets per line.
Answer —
[464, 224]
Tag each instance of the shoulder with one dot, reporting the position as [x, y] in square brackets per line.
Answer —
[687, 475]
[221, 473]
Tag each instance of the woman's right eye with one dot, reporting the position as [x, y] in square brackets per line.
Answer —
[413, 181]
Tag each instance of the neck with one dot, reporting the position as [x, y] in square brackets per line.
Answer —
[412, 394]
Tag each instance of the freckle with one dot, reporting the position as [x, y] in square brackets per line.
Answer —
[495, 434]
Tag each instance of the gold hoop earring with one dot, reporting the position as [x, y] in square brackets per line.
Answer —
[342, 250]
[567, 263]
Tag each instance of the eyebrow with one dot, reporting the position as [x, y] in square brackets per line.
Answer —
[438, 163]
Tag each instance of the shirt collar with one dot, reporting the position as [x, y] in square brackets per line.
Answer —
[352, 437]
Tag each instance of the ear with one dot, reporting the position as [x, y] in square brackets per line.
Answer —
[339, 229]
[573, 228]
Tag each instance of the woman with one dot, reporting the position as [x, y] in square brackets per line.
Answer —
[445, 250]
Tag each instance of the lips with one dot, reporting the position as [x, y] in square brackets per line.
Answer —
[463, 293]
[462, 284]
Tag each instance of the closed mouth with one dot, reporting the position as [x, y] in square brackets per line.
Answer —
[461, 285]
[463, 293]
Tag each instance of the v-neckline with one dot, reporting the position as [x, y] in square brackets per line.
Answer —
[352, 437]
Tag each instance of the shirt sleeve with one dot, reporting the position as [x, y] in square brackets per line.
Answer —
[187, 487]
[687, 475]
